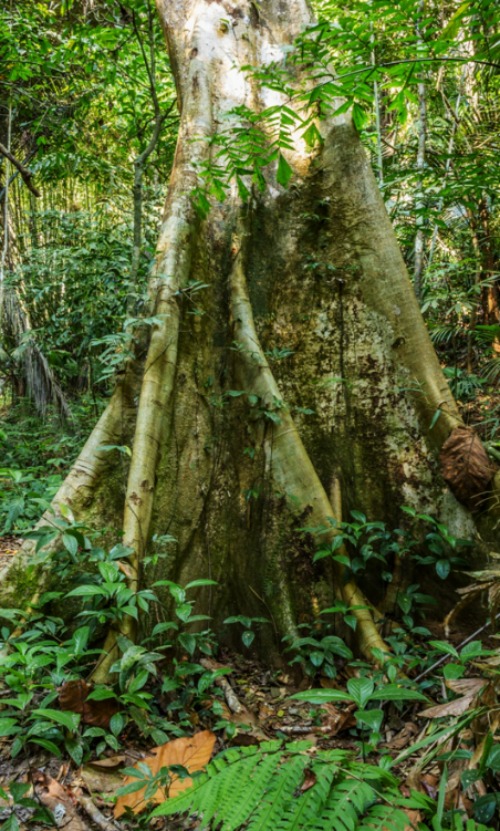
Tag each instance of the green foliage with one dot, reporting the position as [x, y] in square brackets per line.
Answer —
[34, 663]
[295, 786]
[75, 286]
[343, 794]
[485, 805]
[248, 634]
[81, 85]
[44, 652]
[425, 540]
[364, 693]
[23, 497]
[464, 385]
[457, 667]
[319, 649]
[16, 796]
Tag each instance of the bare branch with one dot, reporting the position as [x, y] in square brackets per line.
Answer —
[24, 171]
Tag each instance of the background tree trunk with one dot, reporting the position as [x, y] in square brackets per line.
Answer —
[289, 369]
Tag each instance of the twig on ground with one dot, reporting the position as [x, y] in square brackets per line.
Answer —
[95, 814]
[232, 700]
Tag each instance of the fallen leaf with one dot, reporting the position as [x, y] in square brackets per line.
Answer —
[193, 753]
[473, 690]
[449, 708]
[404, 737]
[109, 762]
[309, 780]
[57, 799]
[430, 785]
[265, 711]
[466, 686]
[414, 818]
[338, 719]
[73, 696]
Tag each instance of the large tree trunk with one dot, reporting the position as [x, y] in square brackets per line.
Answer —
[314, 270]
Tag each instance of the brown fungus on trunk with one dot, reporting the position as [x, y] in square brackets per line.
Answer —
[466, 467]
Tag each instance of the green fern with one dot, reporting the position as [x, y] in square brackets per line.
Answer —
[291, 788]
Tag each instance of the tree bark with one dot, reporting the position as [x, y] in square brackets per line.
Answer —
[289, 375]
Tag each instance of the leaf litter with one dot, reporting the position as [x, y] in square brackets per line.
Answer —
[419, 745]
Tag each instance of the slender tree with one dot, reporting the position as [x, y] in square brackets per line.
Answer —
[289, 376]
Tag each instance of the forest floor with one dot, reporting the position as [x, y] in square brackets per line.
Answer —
[256, 705]
[444, 747]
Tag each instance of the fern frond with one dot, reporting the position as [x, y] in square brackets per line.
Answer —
[240, 807]
[293, 787]
[384, 818]
[203, 796]
[279, 795]
[212, 795]
[347, 802]
[301, 814]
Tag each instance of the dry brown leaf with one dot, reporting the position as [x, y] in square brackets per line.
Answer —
[73, 696]
[192, 753]
[328, 683]
[109, 762]
[466, 686]
[430, 784]
[337, 719]
[414, 818]
[310, 780]
[403, 737]
[126, 569]
[466, 467]
[449, 708]
[57, 799]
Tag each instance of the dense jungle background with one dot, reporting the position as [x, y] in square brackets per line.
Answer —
[329, 736]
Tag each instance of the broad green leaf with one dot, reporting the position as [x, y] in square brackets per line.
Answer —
[11, 823]
[9, 727]
[66, 719]
[117, 723]
[188, 642]
[47, 745]
[322, 696]
[75, 748]
[371, 718]
[201, 582]
[285, 172]
[360, 690]
[444, 646]
[183, 611]
[443, 568]
[393, 692]
[248, 637]
[101, 694]
[70, 543]
[88, 590]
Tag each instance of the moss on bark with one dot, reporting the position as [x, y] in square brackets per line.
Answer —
[290, 360]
